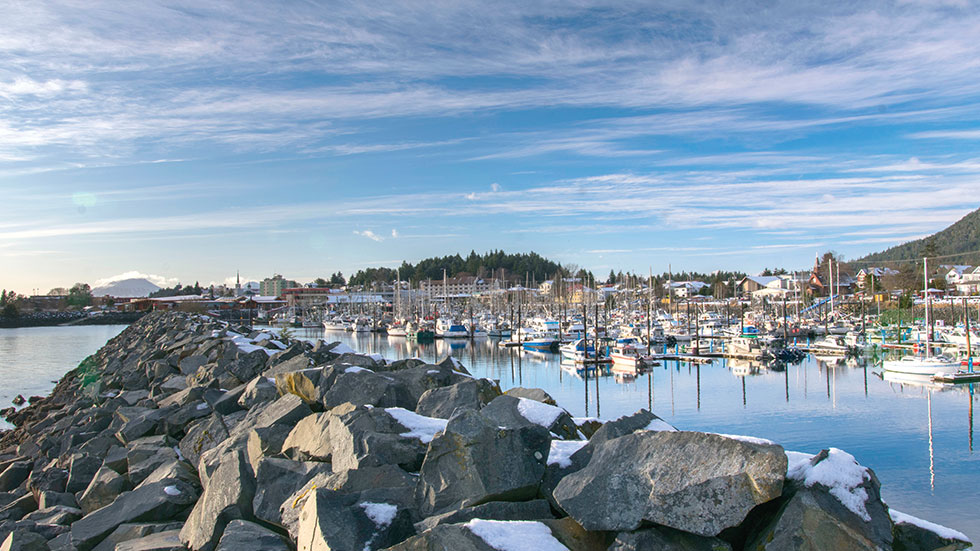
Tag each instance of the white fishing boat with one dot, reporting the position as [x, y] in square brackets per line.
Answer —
[577, 351]
[360, 325]
[397, 329]
[921, 365]
[629, 354]
[447, 328]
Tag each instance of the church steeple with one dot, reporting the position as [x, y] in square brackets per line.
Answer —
[238, 283]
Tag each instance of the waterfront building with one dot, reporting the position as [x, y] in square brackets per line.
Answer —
[274, 286]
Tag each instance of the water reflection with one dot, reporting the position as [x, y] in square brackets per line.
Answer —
[901, 428]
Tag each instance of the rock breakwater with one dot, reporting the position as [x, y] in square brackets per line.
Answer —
[186, 433]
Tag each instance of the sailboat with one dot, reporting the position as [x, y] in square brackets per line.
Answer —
[928, 364]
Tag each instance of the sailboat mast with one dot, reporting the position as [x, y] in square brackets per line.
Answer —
[925, 287]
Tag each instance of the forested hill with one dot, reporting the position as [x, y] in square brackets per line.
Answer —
[962, 239]
[515, 267]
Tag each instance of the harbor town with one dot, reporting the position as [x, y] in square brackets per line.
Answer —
[508, 276]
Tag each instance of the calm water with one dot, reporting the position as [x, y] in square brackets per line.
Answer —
[917, 437]
[33, 359]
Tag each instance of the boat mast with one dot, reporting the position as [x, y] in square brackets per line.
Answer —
[925, 286]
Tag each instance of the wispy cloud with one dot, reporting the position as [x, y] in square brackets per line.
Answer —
[370, 235]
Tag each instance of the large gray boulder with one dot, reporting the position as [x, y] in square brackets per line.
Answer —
[474, 461]
[259, 390]
[513, 412]
[370, 437]
[444, 537]
[161, 501]
[241, 535]
[277, 479]
[812, 515]
[227, 496]
[531, 394]
[361, 387]
[442, 402]
[387, 483]
[696, 482]
[309, 440]
[911, 534]
[332, 520]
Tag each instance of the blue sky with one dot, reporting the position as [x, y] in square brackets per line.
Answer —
[188, 140]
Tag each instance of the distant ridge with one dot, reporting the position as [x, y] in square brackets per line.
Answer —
[962, 239]
[130, 288]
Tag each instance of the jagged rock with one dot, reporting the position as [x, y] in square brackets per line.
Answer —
[513, 412]
[190, 364]
[48, 479]
[535, 394]
[813, 516]
[416, 381]
[50, 499]
[697, 482]
[453, 364]
[495, 510]
[241, 535]
[105, 486]
[192, 395]
[309, 440]
[140, 422]
[206, 434]
[571, 534]
[258, 391]
[154, 502]
[80, 472]
[912, 534]
[473, 461]
[361, 386]
[362, 437]
[357, 360]
[144, 458]
[296, 363]
[61, 542]
[387, 483]
[174, 469]
[444, 537]
[57, 514]
[133, 397]
[161, 541]
[228, 495]
[15, 475]
[264, 442]
[667, 539]
[16, 509]
[126, 532]
[22, 540]
[303, 382]
[227, 402]
[442, 402]
[248, 365]
[276, 479]
[398, 365]
[332, 520]
[117, 459]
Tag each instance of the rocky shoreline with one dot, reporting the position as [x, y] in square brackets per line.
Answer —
[186, 433]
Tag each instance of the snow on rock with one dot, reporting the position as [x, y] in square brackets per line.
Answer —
[278, 344]
[343, 349]
[262, 337]
[749, 439]
[171, 491]
[659, 425]
[419, 426]
[356, 369]
[515, 535]
[381, 514]
[839, 472]
[562, 450]
[537, 412]
[938, 529]
[378, 358]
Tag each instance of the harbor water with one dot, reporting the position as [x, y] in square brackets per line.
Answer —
[916, 435]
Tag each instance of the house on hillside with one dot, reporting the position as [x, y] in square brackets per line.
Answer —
[862, 277]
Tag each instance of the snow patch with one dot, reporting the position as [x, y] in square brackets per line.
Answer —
[431, 371]
[938, 529]
[839, 472]
[202, 406]
[537, 412]
[180, 456]
[278, 344]
[562, 450]
[659, 425]
[378, 358]
[515, 535]
[749, 439]
[171, 491]
[381, 514]
[356, 369]
[419, 426]
[342, 349]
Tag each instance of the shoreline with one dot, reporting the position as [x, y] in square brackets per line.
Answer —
[299, 417]
[57, 319]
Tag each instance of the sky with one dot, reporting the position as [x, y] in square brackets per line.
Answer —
[186, 141]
